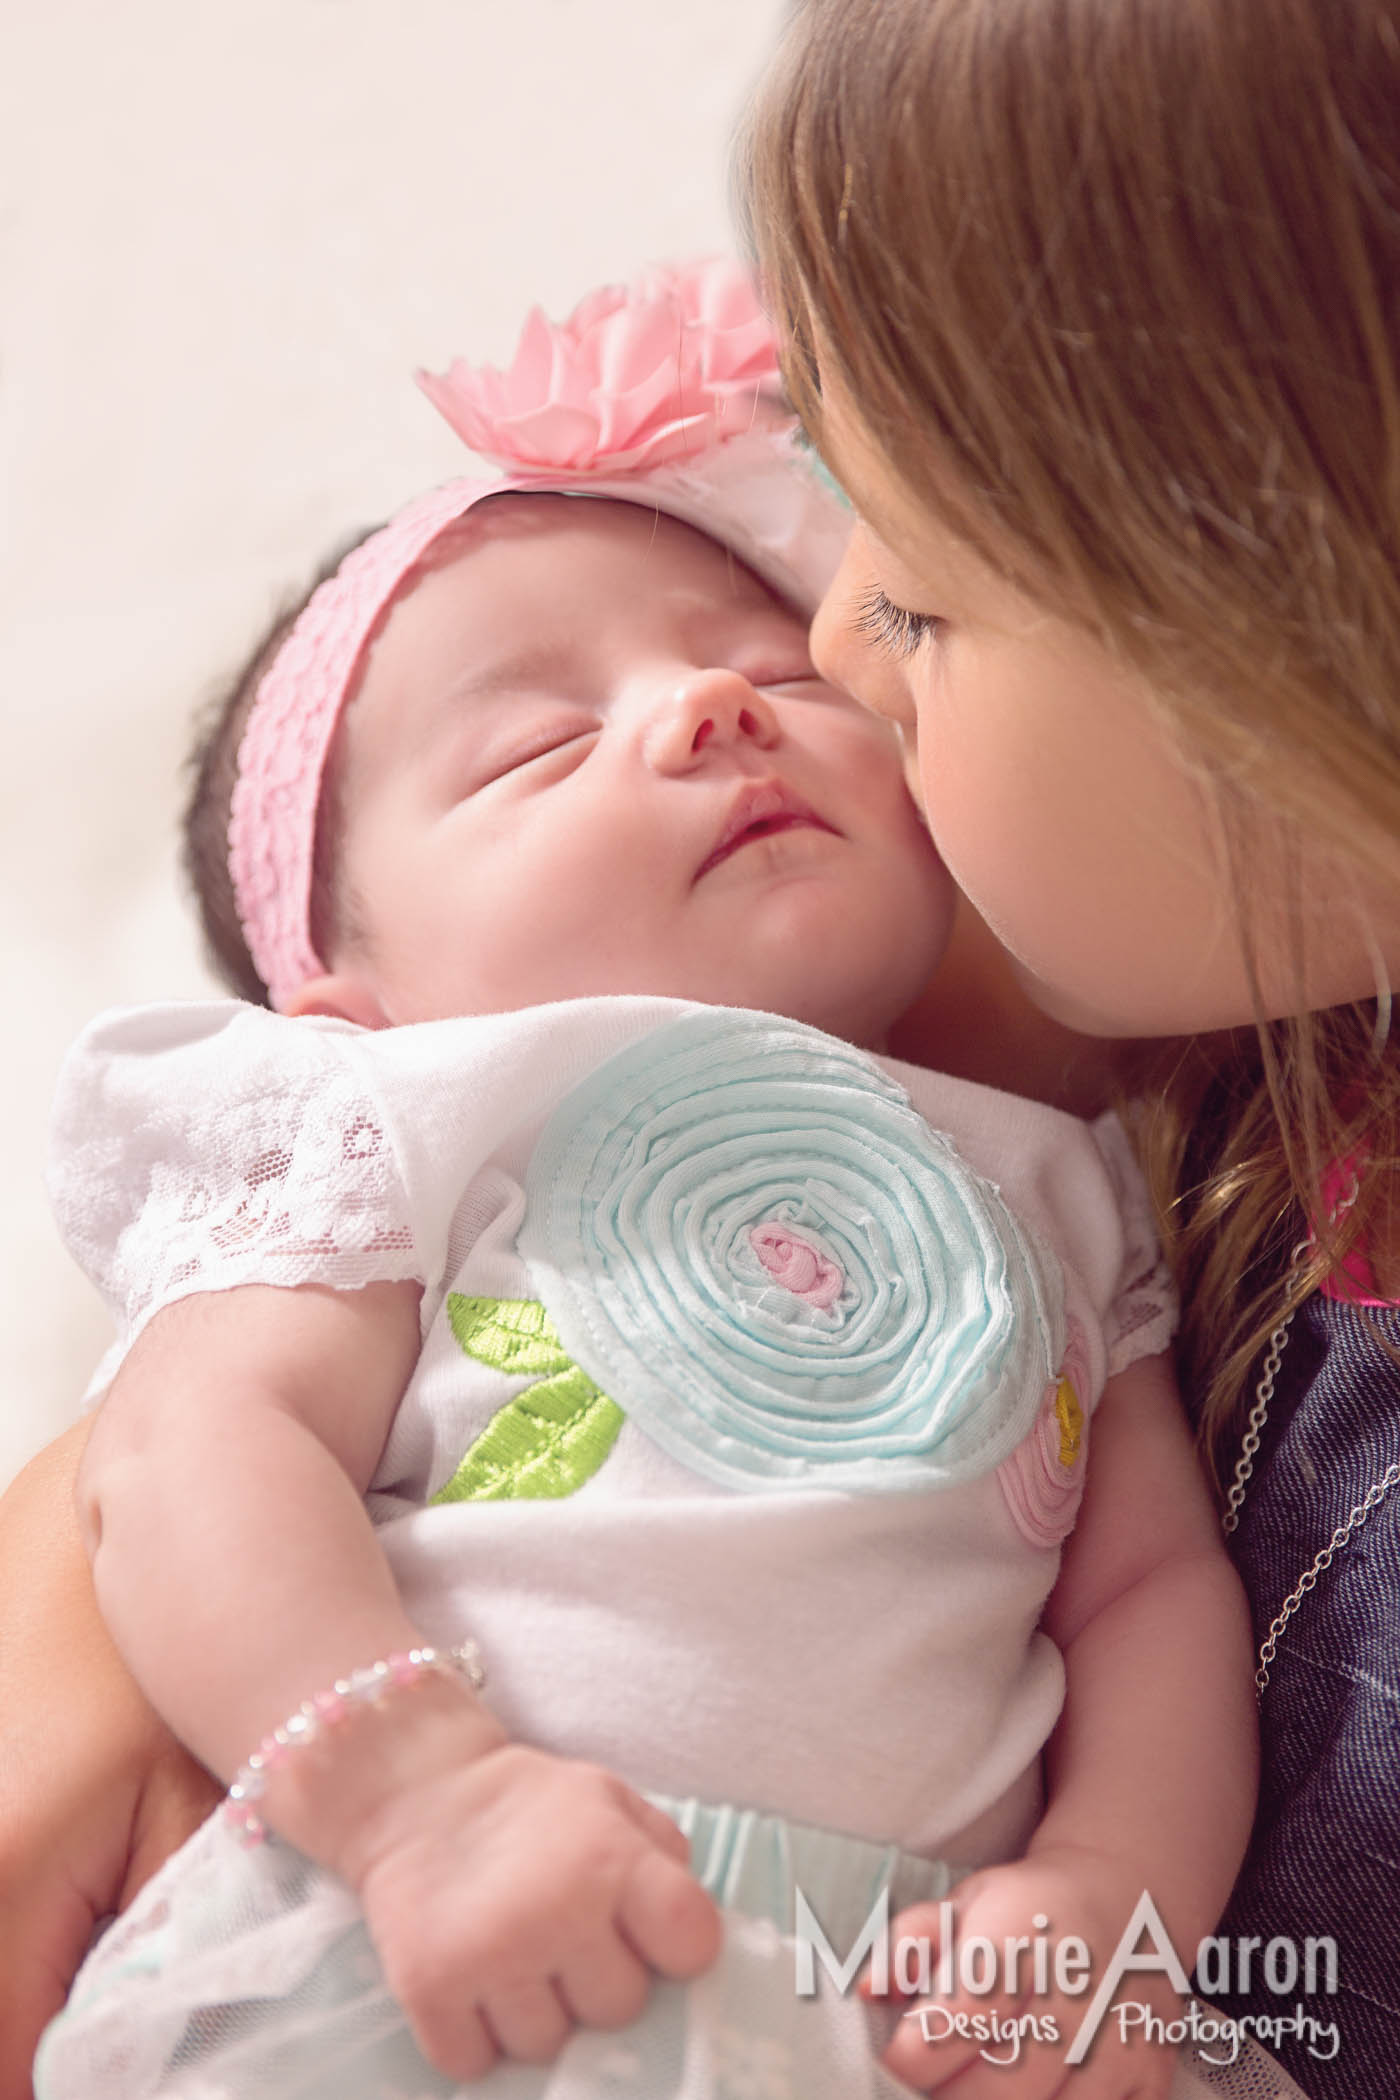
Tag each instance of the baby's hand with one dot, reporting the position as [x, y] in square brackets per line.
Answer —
[512, 1894]
[1018, 2051]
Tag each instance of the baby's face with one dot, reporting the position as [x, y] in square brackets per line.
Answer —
[589, 754]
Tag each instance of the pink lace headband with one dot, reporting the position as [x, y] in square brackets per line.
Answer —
[664, 394]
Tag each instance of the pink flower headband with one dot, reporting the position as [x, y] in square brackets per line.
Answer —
[665, 394]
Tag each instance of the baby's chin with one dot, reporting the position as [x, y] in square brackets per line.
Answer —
[857, 991]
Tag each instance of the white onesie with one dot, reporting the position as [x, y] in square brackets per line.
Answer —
[797, 1553]
[757, 1372]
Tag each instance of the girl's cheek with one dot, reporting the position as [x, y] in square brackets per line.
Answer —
[889, 692]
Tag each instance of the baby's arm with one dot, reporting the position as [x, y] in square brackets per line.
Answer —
[94, 1789]
[1151, 1771]
[508, 1892]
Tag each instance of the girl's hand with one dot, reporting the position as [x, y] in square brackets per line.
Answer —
[511, 1894]
[94, 1790]
[1012, 2055]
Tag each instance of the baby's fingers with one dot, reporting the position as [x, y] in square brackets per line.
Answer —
[928, 2052]
[668, 1919]
[528, 2020]
[1020, 2055]
[603, 1984]
[1115, 2071]
[454, 2035]
[656, 1823]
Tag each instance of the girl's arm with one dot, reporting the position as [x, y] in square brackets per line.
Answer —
[94, 1789]
[508, 1892]
[1152, 1769]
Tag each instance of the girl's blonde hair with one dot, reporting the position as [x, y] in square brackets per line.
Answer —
[1115, 287]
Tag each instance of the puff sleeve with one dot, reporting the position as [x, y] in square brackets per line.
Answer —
[1142, 1316]
[199, 1147]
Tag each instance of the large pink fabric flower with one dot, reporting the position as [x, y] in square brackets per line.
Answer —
[638, 376]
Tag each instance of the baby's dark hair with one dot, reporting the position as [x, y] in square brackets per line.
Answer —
[212, 769]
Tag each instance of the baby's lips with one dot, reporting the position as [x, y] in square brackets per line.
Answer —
[760, 804]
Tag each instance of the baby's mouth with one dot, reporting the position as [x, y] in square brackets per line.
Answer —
[758, 811]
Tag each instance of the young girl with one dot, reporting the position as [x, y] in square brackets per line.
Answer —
[726, 1413]
[1093, 307]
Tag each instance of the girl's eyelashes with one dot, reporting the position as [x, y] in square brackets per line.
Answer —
[892, 627]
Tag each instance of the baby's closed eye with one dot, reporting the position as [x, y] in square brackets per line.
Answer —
[562, 741]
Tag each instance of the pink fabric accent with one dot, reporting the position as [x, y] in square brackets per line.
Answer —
[1355, 1282]
[272, 817]
[629, 399]
[1042, 1492]
[633, 379]
[797, 1265]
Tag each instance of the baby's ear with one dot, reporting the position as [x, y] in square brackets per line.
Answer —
[342, 994]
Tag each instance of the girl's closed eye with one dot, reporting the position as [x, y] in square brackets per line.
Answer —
[892, 627]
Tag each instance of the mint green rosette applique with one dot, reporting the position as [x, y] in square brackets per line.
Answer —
[743, 1229]
[551, 1437]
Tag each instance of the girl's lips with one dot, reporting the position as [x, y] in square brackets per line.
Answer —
[756, 813]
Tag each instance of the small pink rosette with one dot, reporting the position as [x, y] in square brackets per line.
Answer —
[1043, 1480]
[795, 1262]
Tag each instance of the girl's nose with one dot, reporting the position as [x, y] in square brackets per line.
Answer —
[707, 711]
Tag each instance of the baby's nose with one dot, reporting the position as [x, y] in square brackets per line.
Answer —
[705, 711]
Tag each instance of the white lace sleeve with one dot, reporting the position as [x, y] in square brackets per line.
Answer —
[1142, 1317]
[200, 1147]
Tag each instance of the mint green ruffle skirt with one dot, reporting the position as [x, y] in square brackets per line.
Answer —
[248, 1975]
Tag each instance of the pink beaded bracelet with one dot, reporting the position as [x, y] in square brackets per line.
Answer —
[361, 1688]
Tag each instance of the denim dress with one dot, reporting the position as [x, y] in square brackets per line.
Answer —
[1324, 1858]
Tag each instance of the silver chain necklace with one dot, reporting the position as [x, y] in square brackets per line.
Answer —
[1344, 1532]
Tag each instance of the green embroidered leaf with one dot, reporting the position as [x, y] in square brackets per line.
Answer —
[510, 1334]
[548, 1440]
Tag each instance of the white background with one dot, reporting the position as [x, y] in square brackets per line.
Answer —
[229, 229]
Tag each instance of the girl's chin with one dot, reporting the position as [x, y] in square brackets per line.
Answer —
[1116, 1019]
